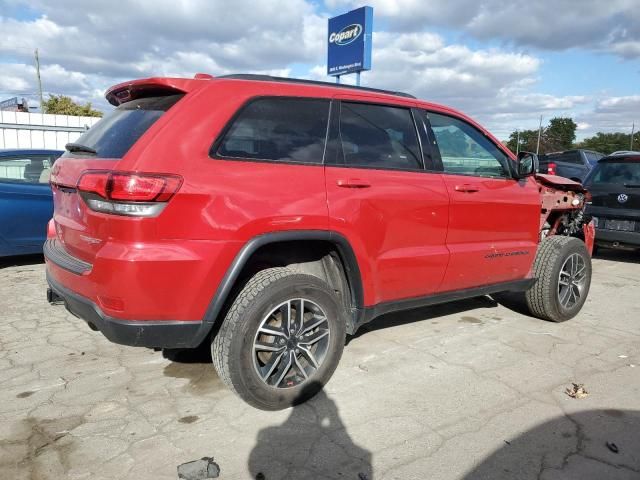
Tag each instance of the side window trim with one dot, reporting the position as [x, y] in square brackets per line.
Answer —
[509, 167]
[332, 146]
[340, 157]
[217, 143]
[425, 158]
[431, 151]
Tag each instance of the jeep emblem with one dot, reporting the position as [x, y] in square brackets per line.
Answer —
[622, 198]
[347, 35]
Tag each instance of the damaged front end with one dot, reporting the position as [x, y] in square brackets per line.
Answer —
[562, 211]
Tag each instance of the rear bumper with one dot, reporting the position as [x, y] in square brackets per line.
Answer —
[152, 281]
[157, 334]
[616, 238]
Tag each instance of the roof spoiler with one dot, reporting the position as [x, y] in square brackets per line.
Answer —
[147, 87]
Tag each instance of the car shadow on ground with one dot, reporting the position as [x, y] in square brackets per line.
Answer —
[618, 255]
[311, 443]
[590, 445]
[21, 261]
[201, 354]
[424, 313]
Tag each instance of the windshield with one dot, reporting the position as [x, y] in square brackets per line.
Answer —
[621, 173]
[115, 134]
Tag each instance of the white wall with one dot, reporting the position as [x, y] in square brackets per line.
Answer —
[44, 130]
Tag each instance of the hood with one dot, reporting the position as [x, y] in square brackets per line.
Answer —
[560, 183]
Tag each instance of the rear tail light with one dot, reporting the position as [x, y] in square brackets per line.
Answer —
[128, 193]
[551, 169]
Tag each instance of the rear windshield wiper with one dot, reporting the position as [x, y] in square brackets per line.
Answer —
[632, 185]
[78, 147]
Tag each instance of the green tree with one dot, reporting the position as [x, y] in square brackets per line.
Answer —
[610, 142]
[559, 134]
[63, 105]
[528, 140]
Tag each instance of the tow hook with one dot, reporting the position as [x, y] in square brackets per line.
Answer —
[53, 298]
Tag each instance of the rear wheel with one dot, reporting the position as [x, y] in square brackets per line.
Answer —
[281, 339]
[563, 271]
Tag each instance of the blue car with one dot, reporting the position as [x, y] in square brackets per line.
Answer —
[26, 203]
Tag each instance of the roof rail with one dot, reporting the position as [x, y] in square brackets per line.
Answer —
[269, 78]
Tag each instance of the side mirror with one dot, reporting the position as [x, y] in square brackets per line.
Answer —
[526, 164]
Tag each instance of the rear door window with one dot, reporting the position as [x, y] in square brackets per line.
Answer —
[277, 129]
[118, 130]
[379, 136]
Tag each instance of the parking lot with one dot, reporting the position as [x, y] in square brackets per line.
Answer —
[471, 389]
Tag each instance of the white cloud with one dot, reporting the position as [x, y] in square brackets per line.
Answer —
[85, 47]
[492, 85]
[97, 44]
[618, 105]
[611, 114]
[613, 25]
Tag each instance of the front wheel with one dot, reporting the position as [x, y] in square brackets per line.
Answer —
[281, 340]
[563, 271]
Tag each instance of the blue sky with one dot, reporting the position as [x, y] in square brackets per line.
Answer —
[504, 63]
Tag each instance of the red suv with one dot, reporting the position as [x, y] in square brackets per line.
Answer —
[272, 217]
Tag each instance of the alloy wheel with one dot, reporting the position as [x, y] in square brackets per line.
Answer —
[291, 343]
[572, 280]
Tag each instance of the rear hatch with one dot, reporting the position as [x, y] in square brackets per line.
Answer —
[615, 190]
[90, 194]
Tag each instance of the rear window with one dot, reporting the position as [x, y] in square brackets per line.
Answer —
[566, 157]
[117, 131]
[621, 173]
[278, 129]
[593, 157]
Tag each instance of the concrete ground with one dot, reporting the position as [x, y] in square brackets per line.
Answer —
[469, 390]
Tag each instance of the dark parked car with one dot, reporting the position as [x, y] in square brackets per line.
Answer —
[573, 164]
[615, 188]
[26, 203]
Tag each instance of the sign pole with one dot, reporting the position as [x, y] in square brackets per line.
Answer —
[337, 78]
[358, 78]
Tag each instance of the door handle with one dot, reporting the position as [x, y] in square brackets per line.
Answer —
[467, 188]
[353, 183]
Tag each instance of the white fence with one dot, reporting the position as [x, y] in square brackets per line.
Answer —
[37, 130]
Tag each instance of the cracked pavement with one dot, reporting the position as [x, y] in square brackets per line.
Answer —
[467, 390]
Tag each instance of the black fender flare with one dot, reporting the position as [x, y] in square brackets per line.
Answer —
[347, 255]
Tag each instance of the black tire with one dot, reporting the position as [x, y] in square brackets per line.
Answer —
[232, 349]
[544, 298]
